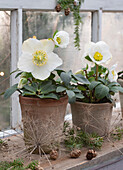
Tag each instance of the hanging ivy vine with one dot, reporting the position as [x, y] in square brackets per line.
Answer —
[72, 6]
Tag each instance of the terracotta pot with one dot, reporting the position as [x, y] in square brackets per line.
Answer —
[120, 81]
[92, 118]
[43, 121]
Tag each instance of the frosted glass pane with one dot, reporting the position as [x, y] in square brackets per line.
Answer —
[112, 33]
[44, 24]
[4, 67]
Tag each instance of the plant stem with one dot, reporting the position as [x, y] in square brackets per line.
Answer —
[19, 91]
[97, 71]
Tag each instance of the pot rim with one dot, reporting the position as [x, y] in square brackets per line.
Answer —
[93, 103]
[43, 102]
[37, 98]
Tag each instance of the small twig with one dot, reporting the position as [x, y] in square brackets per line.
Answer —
[46, 156]
[115, 146]
[33, 150]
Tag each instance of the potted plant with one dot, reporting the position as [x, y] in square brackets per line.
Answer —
[43, 91]
[120, 81]
[93, 112]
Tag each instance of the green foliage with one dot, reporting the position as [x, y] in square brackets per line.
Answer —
[76, 14]
[76, 138]
[117, 134]
[10, 91]
[1, 141]
[95, 89]
[17, 164]
[49, 88]
[32, 165]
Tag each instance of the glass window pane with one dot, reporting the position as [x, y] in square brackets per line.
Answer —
[4, 67]
[44, 24]
[112, 33]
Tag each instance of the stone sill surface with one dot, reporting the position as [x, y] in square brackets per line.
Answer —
[109, 154]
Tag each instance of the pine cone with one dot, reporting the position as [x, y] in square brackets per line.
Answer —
[75, 153]
[91, 154]
[67, 11]
[53, 155]
[58, 7]
[74, 3]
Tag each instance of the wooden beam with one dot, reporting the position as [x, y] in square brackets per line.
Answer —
[89, 5]
[16, 42]
[96, 25]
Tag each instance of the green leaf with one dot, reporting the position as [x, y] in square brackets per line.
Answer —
[101, 91]
[55, 33]
[94, 84]
[91, 79]
[18, 74]
[82, 88]
[66, 78]
[59, 71]
[81, 78]
[2, 93]
[30, 88]
[28, 94]
[71, 96]
[102, 80]
[76, 90]
[52, 76]
[88, 58]
[10, 91]
[45, 84]
[48, 89]
[35, 85]
[121, 72]
[79, 95]
[116, 89]
[113, 84]
[51, 96]
[26, 75]
[14, 71]
[69, 73]
[60, 89]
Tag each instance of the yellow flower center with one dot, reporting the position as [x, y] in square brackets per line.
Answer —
[58, 39]
[113, 73]
[98, 56]
[40, 58]
[34, 37]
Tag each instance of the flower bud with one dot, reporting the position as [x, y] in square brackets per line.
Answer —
[22, 82]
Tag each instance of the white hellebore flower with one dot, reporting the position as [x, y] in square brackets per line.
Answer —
[38, 58]
[99, 52]
[113, 74]
[61, 39]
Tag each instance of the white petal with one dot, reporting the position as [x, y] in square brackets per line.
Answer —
[112, 77]
[31, 45]
[113, 67]
[64, 36]
[40, 73]
[53, 61]
[102, 45]
[102, 48]
[48, 45]
[25, 62]
[106, 56]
